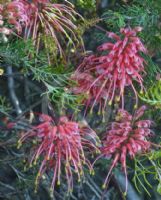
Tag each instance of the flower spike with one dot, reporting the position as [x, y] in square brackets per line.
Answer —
[120, 65]
[60, 147]
[126, 137]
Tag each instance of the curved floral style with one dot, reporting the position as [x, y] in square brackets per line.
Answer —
[84, 81]
[126, 137]
[60, 147]
[118, 66]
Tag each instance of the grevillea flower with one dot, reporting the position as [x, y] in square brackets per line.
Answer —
[126, 137]
[118, 66]
[15, 14]
[40, 18]
[61, 148]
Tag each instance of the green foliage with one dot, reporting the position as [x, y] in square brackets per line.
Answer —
[53, 75]
[138, 13]
[16, 53]
[155, 161]
[87, 23]
[63, 98]
[57, 83]
[146, 167]
[153, 95]
[89, 5]
[5, 107]
[151, 69]
[141, 170]
[23, 55]
[114, 19]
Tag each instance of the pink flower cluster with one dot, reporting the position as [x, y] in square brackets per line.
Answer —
[16, 15]
[33, 19]
[126, 137]
[20, 14]
[118, 66]
[61, 148]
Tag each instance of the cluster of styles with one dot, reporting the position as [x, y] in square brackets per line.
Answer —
[62, 147]
[59, 144]
[126, 136]
[39, 18]
[103, 77]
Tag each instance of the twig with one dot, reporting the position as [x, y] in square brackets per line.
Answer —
[26, 91]
[93, 189]
[8, 195]
[94, 185]
[102, 29]
[7, 186]
[18, 173]
[12, 93]
[116, 186]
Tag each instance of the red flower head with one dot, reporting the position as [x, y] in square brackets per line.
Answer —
[119, 66]
[15, 14]
[126, 137]
[60, 147]
[41, 17]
